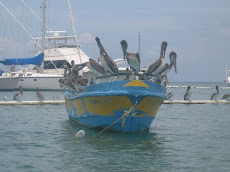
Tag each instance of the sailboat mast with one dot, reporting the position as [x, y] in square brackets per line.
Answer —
[43, 24]
[75, 33]
[43, 32]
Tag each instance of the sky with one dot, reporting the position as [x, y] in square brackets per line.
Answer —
[198, 31]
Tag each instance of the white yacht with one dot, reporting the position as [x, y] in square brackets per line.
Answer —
[61, 52]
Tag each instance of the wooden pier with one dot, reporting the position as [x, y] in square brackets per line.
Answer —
[58, 102]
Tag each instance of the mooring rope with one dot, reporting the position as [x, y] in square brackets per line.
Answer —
[101, 133]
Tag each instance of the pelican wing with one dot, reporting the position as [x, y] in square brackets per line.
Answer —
[154, 66]
[112, 65]
[97, 66]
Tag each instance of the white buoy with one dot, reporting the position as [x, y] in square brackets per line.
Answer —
[80, 133]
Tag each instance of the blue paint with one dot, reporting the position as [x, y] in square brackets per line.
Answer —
[134, 122]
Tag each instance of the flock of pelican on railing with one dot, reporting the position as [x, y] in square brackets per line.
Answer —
[108, 70]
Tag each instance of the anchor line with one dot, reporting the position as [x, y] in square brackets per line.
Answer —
[101, 133]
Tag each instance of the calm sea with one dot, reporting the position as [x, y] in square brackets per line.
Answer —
[183, 137]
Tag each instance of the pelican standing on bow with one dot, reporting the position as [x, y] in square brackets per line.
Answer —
[156, 67]
[167, 68]
[214, 95]
[39, 95]
[187, 94]
[18, 95]
[132, 58]
[108, 64]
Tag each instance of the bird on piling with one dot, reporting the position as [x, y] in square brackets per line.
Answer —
[157, 66]
[226, 97]
[170, 95]
[214, 95]
[132, 58]
[18, 95]
[39, 95]
[187, 93]
[108, 64]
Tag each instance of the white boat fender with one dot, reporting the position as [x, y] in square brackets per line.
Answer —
[80, 133]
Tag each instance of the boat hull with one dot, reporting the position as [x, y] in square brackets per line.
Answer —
[8, 83]
[42, 82]
[100, 105]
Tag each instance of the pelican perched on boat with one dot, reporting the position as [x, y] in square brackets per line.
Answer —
[108, 64]
[18, 95]
[156, 67]
[132, 58]
[214, 95]
[187, 94]
[226, 96]
[167, 68]
[39, 95]
[95, 67]
[170, 95]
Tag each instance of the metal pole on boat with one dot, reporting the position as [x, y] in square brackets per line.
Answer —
[75, 33]
[139, 43]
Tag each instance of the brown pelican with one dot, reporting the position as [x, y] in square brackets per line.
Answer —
[72, 63]
[160, 63]
[108, 64]
[132, 58]
[170, 95]
[95, 67]
[187, 94]
[39, 95]
[226, 97]
[65, 70]
[167, 68]
[214, 95]
[18, 95]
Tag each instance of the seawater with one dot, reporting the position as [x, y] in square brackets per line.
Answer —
[183, 137]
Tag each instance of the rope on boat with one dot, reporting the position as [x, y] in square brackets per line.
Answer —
[123, 117]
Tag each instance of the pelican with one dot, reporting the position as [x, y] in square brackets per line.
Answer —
[96, 68]
[160, 63]
[65, 70]
[226, 96]
[167, 68]
[214, 95]
[39, 95]
[170, 95]
[108, 64]
[18, 95]
[187, 94]
[132, 58]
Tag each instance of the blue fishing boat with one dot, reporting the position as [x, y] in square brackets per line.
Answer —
[124, 105]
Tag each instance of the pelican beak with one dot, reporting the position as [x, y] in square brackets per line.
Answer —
[124, 55]
[174, 62]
